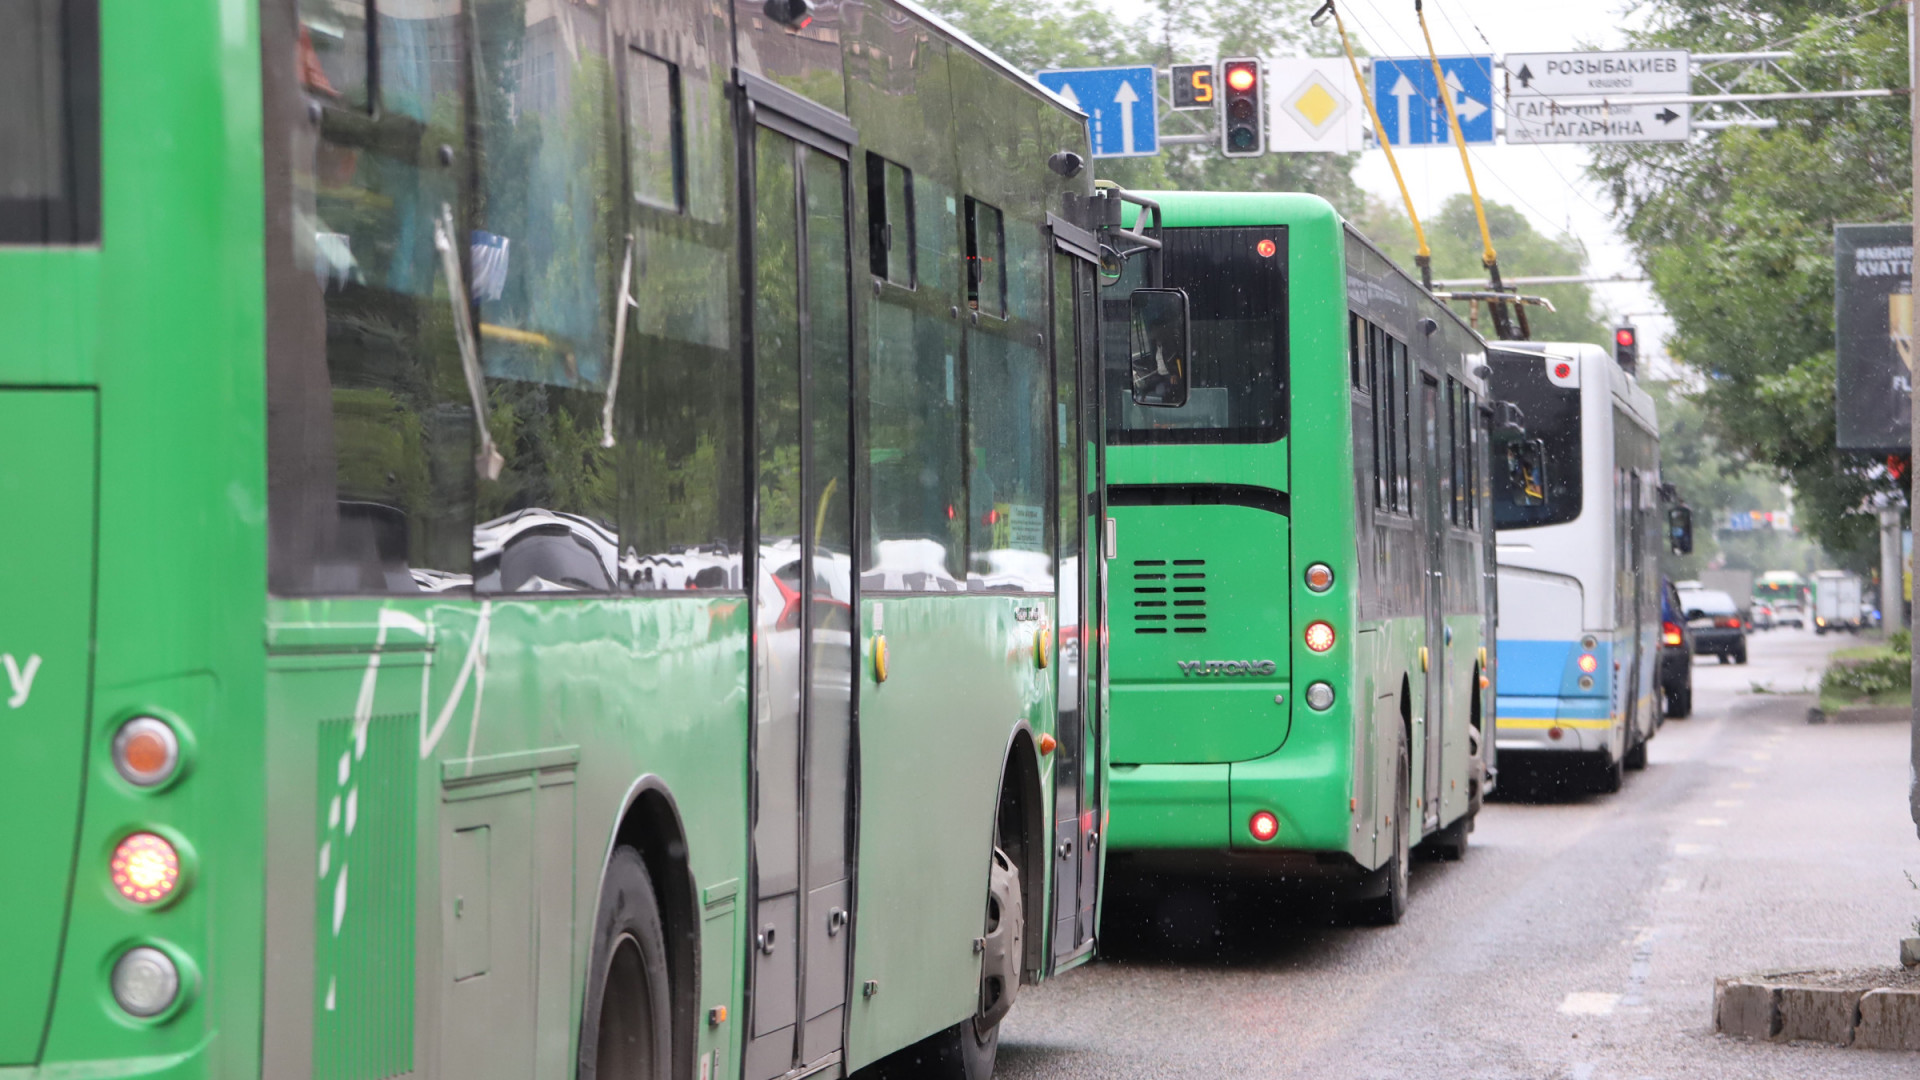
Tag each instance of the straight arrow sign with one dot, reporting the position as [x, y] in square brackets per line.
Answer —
[1405, 91]
[1125, 98]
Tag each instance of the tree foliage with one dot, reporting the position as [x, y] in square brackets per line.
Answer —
[1735, 229]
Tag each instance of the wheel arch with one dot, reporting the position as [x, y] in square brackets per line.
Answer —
[650, 823]
[1019, 828]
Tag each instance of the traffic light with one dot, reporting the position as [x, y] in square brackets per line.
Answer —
[1626, 348]
[1243, 115]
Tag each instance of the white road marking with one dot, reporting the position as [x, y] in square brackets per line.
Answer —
[1674, 884]
[1710, 821]
[1741, 785]
[1689, 849]
[1729, 802]
[1589, 1003]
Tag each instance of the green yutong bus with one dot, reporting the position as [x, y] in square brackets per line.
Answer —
[1302, 605]
[545, 539]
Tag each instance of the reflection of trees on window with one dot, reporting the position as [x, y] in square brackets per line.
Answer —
[1010, 454]
[776, 337]
[544, 253]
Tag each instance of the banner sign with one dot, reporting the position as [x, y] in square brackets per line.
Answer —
[1873, 336]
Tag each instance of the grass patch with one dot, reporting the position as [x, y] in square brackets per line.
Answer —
[1870, 674]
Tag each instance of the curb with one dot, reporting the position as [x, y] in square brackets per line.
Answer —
[1860, 714]
[1755, 1008]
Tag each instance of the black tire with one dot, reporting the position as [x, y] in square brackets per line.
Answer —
[1610, 774]
[1636, 758]
[1390, 879]
[1680, 702]
[626, 1028]
[1450, 843]
[1740, 657]
[1725, 659]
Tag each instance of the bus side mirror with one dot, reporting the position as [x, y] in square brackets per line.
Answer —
[1526, 472]
[1680, 530]
[1160, 356]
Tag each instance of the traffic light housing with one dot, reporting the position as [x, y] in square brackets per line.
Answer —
[1626, 347]
[1243, 115]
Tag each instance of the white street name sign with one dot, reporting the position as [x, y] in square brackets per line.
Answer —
[1532, 119]
[1597, 74]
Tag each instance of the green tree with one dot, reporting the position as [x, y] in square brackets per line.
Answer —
[1735, 228]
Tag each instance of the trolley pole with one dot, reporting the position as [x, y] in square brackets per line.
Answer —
[1913, 445]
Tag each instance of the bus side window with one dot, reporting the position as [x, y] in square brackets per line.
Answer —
[1355, 349]
[986, 259]
[890, 221]
[334, 62]
[1009, 420]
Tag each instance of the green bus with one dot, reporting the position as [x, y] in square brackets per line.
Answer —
[547, 539]
[1303, 601]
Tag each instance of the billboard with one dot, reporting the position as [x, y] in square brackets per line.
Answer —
[1873, 336]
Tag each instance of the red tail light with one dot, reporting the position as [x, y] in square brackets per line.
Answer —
[1669, 633]
[1728, 622]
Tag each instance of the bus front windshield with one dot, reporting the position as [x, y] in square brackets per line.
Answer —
[1235, 279]
[1551, 416]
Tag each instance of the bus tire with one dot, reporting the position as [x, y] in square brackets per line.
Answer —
[1390, 879]
[1610, 774]
[1450, 843]
[1636, 758]
[626, 1027]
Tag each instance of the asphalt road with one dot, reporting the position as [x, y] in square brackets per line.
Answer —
[1579, 938]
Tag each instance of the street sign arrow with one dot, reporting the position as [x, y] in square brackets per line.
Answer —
[1666, 115]
[1470, 109]
[1525, 75]
[1125, 98]
[1405, 91]
[1067, 95]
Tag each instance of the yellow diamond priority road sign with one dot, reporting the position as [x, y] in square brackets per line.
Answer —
[1318, 107]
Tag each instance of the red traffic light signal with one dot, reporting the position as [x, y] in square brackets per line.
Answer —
[1626, 348]
[1623, 337]
[1243, 115]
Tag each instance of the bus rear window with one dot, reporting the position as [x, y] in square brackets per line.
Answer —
[1236, 283]
[50, 123]
[1551, 415]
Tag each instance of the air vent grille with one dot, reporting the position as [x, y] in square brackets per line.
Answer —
[1169, 596]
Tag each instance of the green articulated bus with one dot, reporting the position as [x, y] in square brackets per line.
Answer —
[546, 539]
[1303, 600]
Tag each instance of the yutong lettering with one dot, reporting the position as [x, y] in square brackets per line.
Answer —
[1227, 667]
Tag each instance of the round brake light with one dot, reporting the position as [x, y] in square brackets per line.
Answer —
[145, 868]
[1319, 577]
[1266, 248]
[1319, 636]
[1263, 825]
[146, 751]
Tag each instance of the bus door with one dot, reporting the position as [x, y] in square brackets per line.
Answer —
[1637, 620]
[1077, 773]
[802, 591]
[1436, 600]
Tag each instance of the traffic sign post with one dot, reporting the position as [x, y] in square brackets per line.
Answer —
[1123, 117]
[1408, 98]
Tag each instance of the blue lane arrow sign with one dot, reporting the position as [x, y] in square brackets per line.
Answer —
[1123, 117]
[1412, 112]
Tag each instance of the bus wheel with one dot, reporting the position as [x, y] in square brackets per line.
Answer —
[1450, 843]
[1637, 757]
[1386, 908]
[626, 1031]
[1611, 773]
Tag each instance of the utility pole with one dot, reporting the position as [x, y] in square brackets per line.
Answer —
[1913, 445]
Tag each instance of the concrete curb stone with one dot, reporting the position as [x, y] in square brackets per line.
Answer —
[1817, 1014]
[1746, 1008]
[1889, 1020]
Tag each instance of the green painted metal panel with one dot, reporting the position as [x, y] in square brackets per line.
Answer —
[1194, 585]
[363, 939]
[47, 488]
[1170, 806]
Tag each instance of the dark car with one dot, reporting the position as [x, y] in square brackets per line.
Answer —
[1719, 628]
[1676, 653]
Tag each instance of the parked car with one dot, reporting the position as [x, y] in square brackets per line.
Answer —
[1718, 628]
[1790, 612]
[1676, 654]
